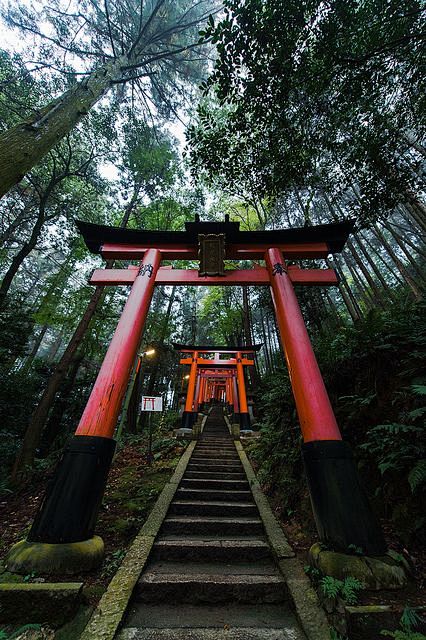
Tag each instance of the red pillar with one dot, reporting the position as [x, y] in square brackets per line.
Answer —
[197, 392]
[242, 397]
[201, 390]
[188, 417]
[341, 508]
[317, 420]
[100, 415]
[235, 396]
[69, 510]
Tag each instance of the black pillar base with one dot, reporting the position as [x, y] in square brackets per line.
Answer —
[341, 508]
[189, 418]
[73, 497]
[244, 421]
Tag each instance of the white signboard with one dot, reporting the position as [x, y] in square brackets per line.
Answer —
[152, 403]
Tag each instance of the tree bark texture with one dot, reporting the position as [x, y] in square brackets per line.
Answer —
[399, 265]
[24, 145]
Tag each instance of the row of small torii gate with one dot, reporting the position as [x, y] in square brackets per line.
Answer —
[64, 526]
[220, 379]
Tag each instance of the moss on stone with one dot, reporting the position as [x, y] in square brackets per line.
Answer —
[39, 602]
[68, 558]
[373, 573]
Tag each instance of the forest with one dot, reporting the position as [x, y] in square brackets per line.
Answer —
[279, 114]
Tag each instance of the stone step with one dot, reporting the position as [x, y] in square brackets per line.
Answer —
[217, 450]
[216, 445]
[203, 466]
[212, 525]
[215, 475]
[213, 494]
[216, 454]
[232, 616]
[213, 550]
[199, 508]
[201, 483]
[209, 588]
[218, 460]
[238, 633]
[208, 569]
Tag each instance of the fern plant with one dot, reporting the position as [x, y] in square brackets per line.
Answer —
[409, 619]
[417, 475]
[346, 589]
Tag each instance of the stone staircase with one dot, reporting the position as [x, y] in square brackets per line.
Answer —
[211, 574]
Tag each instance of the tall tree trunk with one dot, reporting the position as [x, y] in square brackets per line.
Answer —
[363, 291]
[361, 266]
[24, 145]
[253, 374]
[334, 310]
[37, 342]
[403, 248]
[399, 265]
[54, 348]
[414, 217]
[56, 415]
[269, 337]
[387, 266]
[418, 206]
[156, 365]
[14, 225]
[19, 258]
[265, 342]
[374, 268]
[346, 291]
[407, 240]
[246, 316]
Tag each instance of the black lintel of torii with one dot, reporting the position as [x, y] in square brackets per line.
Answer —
[188, 348]
[334, 235]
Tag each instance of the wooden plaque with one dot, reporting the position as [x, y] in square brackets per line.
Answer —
[211, 252]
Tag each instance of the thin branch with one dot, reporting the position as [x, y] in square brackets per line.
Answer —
[109, 28]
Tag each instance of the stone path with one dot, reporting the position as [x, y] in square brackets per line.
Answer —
[211, 574]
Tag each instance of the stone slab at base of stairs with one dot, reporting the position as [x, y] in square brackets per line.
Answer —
[210, 634]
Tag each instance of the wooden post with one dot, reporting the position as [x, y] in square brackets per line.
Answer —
[341, 508]
[188, 417]
[242, 397]
[69, 510]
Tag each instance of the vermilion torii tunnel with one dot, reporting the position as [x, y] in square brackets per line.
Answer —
[63, 530]
[217, 378]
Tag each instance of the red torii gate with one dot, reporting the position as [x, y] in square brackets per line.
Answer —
[69, 511]
[199, 362]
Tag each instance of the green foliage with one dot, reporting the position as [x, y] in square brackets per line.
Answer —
[320, 90]
[409, 619]
[378, 408]
[112, 562]
[417, 475]
[313, 573]
[18, 632]
[335, 635]
[346, 589]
